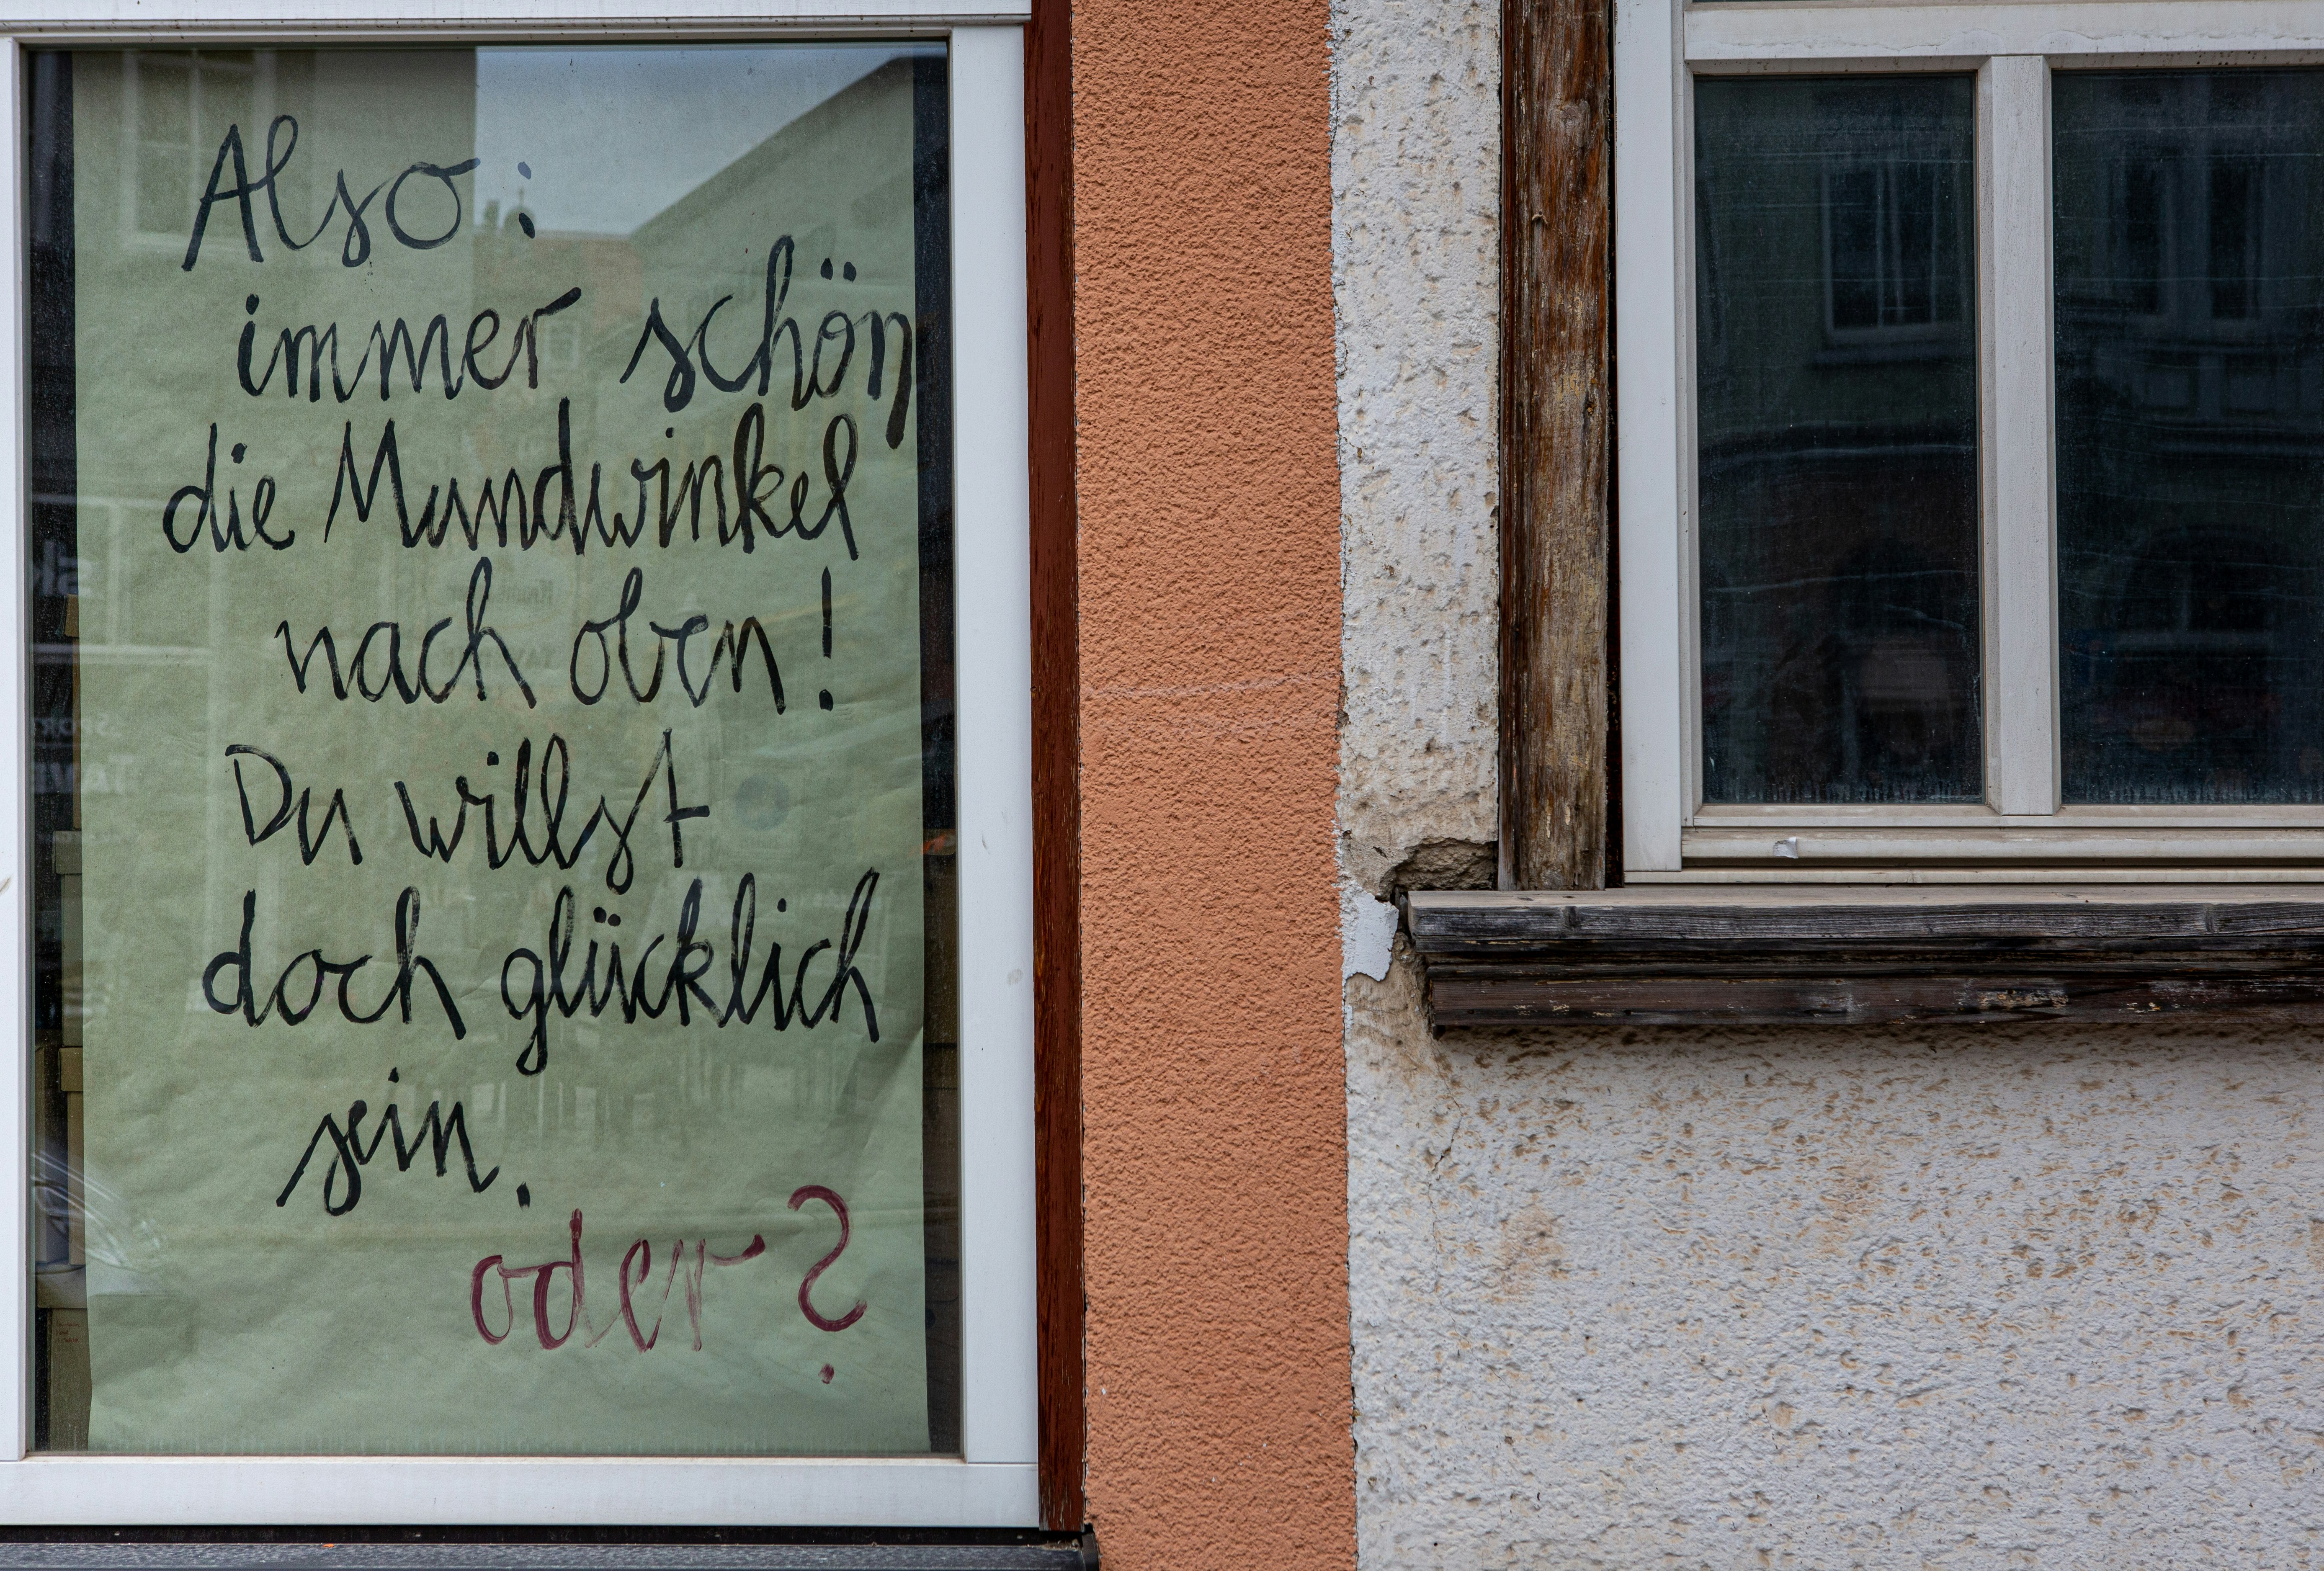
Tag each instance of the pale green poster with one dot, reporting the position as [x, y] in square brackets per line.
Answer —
[496, 562]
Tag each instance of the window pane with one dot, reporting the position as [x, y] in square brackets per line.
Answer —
[492, 734]
[2191, 435]
[1836, 388]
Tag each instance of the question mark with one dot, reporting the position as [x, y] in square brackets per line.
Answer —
[801, 1197]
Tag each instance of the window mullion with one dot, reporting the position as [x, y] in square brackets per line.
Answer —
[15, 770]
[2021, 642]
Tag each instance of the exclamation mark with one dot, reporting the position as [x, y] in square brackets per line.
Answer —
[823, 697]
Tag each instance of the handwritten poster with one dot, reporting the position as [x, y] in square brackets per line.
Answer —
[505, 571]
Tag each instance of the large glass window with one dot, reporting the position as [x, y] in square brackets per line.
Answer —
[493, 792]
[1971, 438]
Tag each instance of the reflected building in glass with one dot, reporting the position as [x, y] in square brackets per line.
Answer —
[2190, 235]
[1837, 428]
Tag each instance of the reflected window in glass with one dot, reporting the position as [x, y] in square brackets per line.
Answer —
[1836, 424]
[2189, 237]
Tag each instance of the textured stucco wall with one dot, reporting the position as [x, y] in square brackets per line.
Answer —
[1213, 1095]
[1415, 182]
[2036, 1297]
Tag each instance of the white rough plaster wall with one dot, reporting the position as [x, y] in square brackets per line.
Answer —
[2039, 1297]
[2045, 1297]
[1415, 178]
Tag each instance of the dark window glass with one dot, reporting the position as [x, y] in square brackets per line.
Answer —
[1837, 417]
[2191, 435]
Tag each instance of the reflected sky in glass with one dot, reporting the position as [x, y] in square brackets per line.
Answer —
[614, 135]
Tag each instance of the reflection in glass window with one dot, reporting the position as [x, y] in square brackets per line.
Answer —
[180, 108]
[2190, 233]
[491, 722]
[1837, 419]
[1890, 259]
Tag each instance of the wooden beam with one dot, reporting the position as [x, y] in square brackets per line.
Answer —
[1458, 1002]
[1682, 956]
[1057, 765]
[1556, 446]
[1673, 921]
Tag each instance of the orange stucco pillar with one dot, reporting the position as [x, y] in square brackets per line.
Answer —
[1214, 1095]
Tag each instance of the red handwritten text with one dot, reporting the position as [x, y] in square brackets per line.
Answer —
[688, 1263]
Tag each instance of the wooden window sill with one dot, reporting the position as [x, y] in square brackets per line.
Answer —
[1746, 955]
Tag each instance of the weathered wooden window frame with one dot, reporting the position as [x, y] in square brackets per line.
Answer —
[2023, 830]
[1557, 804]
[1739, 915]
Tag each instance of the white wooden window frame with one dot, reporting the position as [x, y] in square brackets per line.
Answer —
[2021, 830]
[994, 1483]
